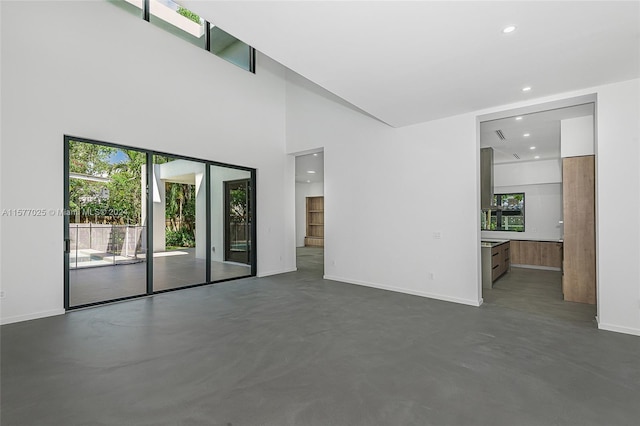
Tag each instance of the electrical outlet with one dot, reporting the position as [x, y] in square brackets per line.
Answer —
[213, 249]
[432, 276]
[1, 294]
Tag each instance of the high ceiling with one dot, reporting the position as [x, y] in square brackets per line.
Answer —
[406, 62]
[542, 130]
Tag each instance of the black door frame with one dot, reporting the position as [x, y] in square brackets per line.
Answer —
[149, 204]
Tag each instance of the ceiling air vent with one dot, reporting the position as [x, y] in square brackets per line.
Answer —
[517, 156]
[500, 135]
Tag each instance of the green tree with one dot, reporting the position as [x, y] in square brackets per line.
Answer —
[88, 160]
[125, 190]
[238, 205]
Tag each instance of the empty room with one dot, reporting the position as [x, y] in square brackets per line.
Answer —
[319, 213]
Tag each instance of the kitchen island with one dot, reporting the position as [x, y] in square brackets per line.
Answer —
[496, 260]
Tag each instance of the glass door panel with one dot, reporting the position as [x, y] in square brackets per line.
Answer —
[231, 223]
[105, 225]
[179, 222]
[237, 227]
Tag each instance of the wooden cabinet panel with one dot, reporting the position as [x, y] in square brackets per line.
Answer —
[500, 260]
[530, 252]
[506, 256]
[536, 253]
[551, 254]
[313, 242]
[578, 202]
[515, 251]
[315, 222]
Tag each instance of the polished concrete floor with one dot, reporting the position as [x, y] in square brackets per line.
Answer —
[537, 292]
[294, 349]
[171, 269]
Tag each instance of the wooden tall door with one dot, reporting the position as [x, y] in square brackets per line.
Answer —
[578, 195]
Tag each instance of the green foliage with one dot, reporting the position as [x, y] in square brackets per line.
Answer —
[238, 205]
[180, 238]
[124, 187]
[180, 206]
[123, 205]
[89, 159]
[189, 14]
[125, 191]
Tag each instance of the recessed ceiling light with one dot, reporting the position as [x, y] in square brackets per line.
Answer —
[518, 118]
[315, 155]
[308, 181]
[526, 89]
[509, 29]
[310, 171]
[526, 135]
[532, 147]
[536, 157]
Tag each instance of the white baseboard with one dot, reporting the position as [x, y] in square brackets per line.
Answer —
[543, 268]
[618, 328]
[282, 271]
[35, 315]
[406, 291]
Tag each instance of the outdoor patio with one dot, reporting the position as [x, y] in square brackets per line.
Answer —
[171, 269]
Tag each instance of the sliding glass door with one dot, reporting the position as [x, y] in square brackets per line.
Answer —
[231, 220]
[179, 223]
[195, 216]
[106, 231]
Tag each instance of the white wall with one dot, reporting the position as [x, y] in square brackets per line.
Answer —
[527, 173]
[380, 222]
[541, 181]
[388, 188]
[542, 213]
[304, 190]
[618, 232]
[100, 73]
[576, 137]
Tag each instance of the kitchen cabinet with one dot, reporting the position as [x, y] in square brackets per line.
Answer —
[536, 253]
[500, 260]
[578, 203]
[551, 254]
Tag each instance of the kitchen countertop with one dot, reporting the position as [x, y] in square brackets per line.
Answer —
[523, 238]
[492, 243]
[541, 240]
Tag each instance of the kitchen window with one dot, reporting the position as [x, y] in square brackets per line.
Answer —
[508, 214]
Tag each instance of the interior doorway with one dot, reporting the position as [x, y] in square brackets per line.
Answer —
[310, 212]
[537, 252]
